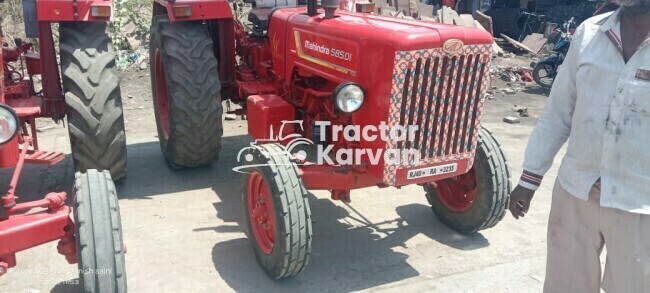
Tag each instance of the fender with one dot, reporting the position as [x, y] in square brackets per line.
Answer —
[69, 10]
[201, 9]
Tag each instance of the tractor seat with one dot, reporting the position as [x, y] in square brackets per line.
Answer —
[262, 9]
[260, 17]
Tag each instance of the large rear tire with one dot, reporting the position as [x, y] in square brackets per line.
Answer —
[98, 231]
[277, 213]
[476, 200]
[92, 95]
[187, 93]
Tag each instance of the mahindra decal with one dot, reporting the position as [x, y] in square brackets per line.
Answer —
[336, 54]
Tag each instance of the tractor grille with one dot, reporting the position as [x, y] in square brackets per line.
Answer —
[443, 94]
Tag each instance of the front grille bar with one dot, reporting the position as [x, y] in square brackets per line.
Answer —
[450, 88]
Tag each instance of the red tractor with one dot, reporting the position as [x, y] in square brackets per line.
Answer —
[88, 95]
[357, 82]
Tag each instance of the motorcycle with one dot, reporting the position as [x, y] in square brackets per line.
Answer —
[545, 71]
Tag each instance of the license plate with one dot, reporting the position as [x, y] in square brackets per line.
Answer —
[432, 171]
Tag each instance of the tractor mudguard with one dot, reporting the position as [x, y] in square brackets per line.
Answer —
[198, 9]
[69, 10]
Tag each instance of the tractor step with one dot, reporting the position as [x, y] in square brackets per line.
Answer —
[250, 88]
[43, 157]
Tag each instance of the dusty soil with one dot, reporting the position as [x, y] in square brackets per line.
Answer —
[184, 232]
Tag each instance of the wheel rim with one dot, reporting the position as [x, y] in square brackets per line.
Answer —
[260, 212]
[458, 193]
[548, 76]
[161, 94]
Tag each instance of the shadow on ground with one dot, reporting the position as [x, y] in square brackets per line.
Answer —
[345, 257]
[342, 254]
[349, 251]
[149, 175]
[537, 90]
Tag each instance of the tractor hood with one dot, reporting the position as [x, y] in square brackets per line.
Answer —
[351, 43]
[399, 64]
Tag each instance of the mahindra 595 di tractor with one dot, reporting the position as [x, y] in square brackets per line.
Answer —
[335, 73]
[89, 96]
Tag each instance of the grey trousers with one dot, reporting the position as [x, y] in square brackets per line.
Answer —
[577, 232]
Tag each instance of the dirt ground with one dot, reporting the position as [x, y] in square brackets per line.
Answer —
[184, 231]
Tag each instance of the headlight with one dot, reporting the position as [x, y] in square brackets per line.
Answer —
[8, 123]
[349, 97]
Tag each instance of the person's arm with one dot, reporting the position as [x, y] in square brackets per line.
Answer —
[554, 125]
[551, 132]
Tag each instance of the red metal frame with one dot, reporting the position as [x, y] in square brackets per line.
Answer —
[53, 103]
[201, 9]
[28, 224]
[22, 228]
[68, 10]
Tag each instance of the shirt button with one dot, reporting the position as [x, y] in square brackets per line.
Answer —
[620, 90]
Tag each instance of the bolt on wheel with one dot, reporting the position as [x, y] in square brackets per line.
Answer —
[277, 213]
[477, 199]
[260, 209]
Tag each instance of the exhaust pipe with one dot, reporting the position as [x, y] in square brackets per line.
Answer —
[330, 6]
[312, 7]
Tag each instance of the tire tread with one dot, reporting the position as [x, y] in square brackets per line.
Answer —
[194, 93]
[98, 230]
[92, 93]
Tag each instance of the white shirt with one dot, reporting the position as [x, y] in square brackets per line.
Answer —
[602, 106]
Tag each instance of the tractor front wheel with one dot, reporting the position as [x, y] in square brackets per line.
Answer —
[476, 200]
[277, 213]
[92, 95]
[98, 232]
[186, 92]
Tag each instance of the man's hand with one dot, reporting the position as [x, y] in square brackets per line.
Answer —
[520, 201]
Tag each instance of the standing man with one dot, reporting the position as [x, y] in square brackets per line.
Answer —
[600, 102]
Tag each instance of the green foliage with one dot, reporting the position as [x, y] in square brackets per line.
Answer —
[11, 20]
[131, 22]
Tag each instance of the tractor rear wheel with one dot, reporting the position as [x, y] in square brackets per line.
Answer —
[92, 95]
[98, 231]
[277, 213]
[478, 199]
[187, 93]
